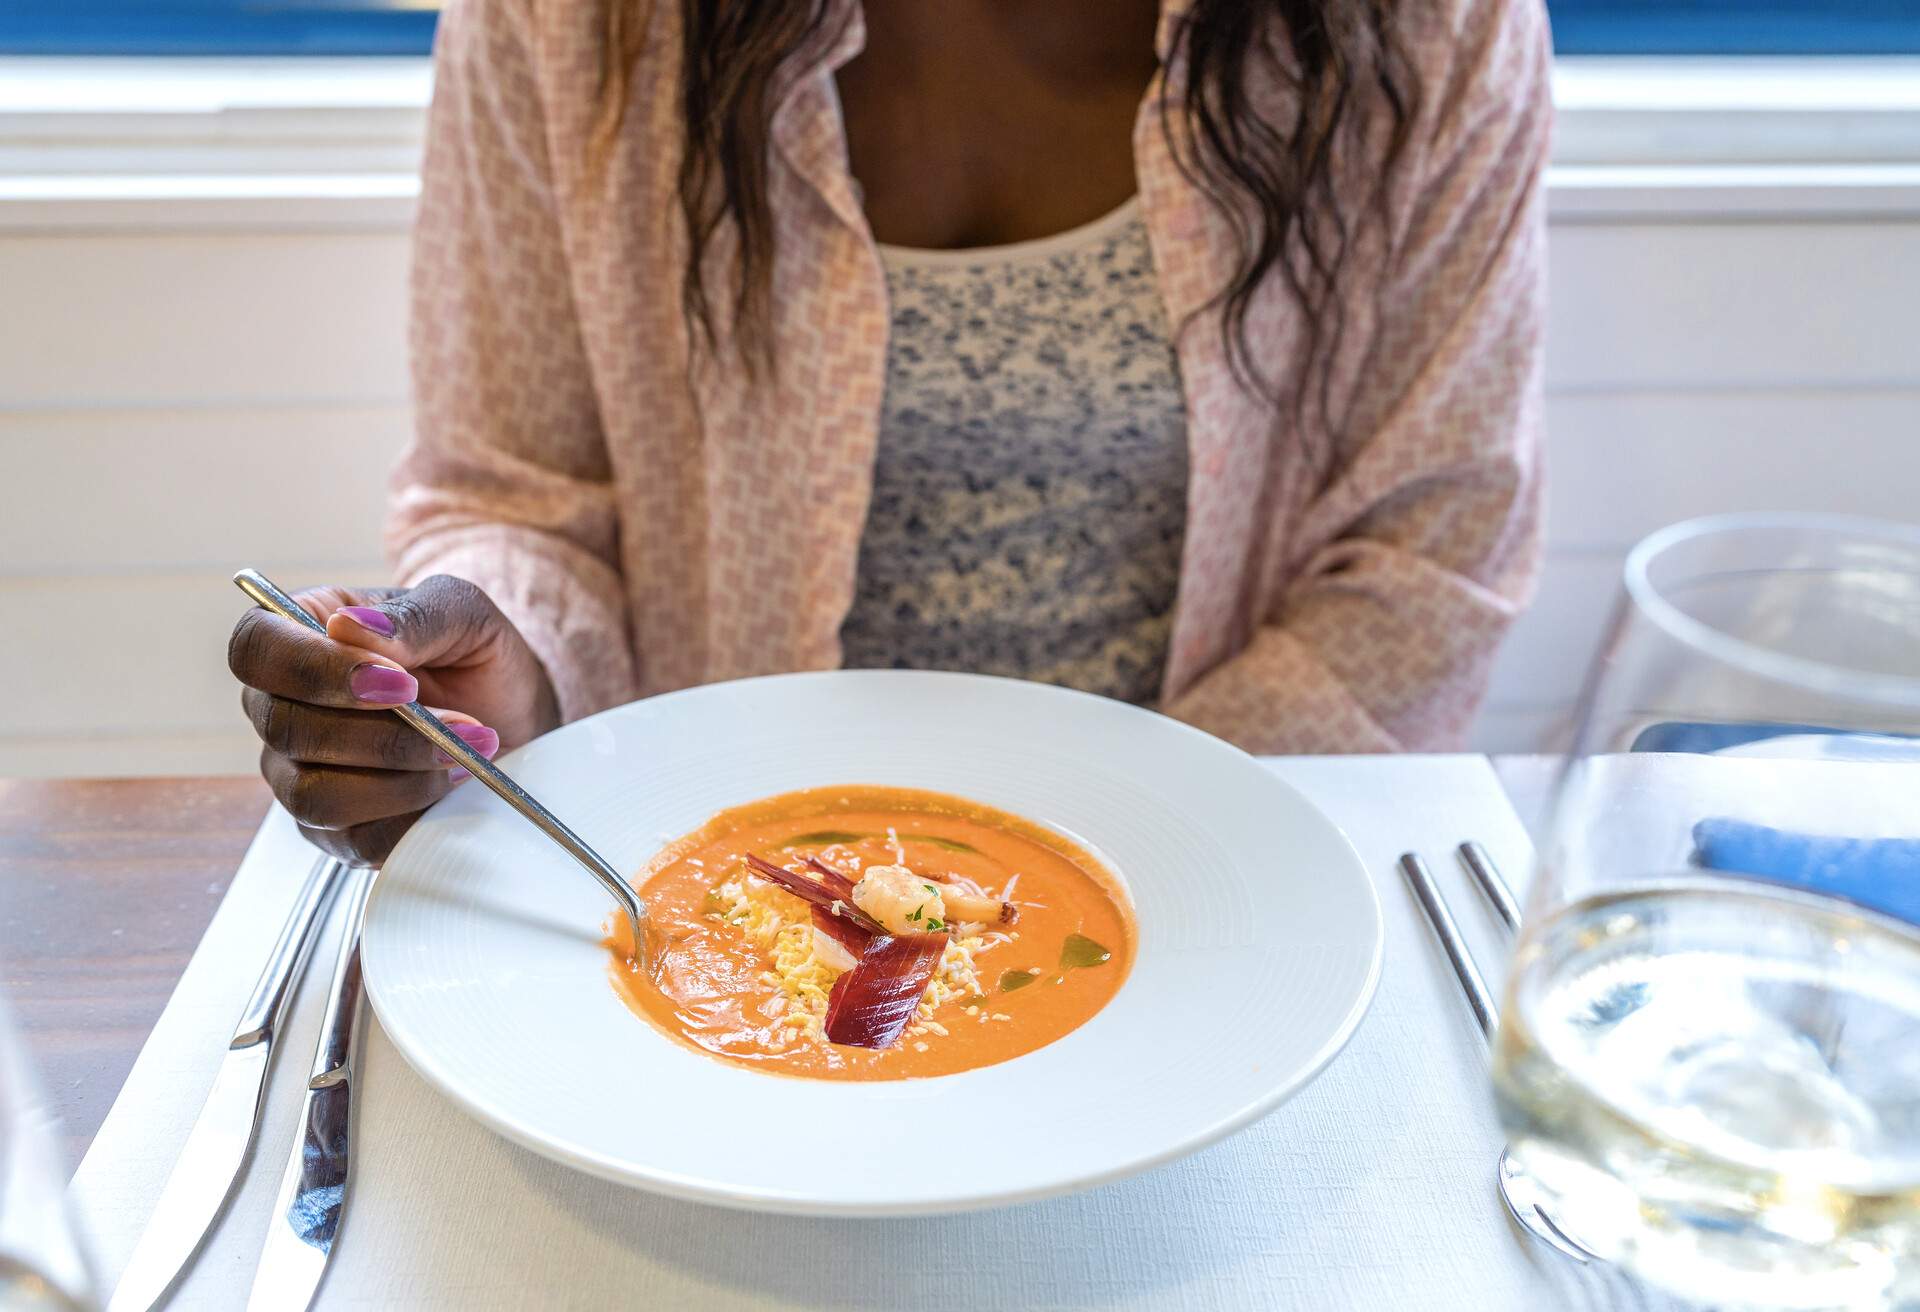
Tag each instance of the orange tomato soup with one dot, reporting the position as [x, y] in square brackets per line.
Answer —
[736, 975]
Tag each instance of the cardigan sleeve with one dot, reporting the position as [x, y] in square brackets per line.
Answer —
[1425, 547]
[507, 481]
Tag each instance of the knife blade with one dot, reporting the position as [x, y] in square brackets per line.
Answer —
[313, 1192]
[217, 1147]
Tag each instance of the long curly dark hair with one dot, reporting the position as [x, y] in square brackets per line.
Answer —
[1272, 181]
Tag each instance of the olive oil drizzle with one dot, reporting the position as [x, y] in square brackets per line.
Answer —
[829, 837]
[1078, 953]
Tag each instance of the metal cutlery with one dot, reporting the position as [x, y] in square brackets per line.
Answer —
[1517, 1190]
[269, 596]
[1524, 1198]
[223, 1135]
[1479, 997]
[306, 1214]
[1480, 865]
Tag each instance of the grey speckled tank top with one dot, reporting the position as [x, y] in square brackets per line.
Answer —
[1030, 486]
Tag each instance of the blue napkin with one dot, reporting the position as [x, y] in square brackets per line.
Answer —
[1881, 873]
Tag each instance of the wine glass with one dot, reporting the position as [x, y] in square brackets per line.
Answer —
[43, 1265]
[1710, 1048]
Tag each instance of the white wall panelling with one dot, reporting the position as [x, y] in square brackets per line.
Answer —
[1623, 463]
[134, 656]
[1695, 306]
[1699, 367]
[175, 403]
[108, 490]
[208, 321]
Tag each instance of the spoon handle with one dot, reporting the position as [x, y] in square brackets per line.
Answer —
[269, 596]
[1488, 876]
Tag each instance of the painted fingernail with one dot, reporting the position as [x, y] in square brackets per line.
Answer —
[382, 685]
[368, 618]
[477, 736]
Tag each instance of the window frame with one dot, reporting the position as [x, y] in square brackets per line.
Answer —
[335, 143]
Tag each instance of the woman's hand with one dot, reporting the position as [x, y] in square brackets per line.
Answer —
[354, 776]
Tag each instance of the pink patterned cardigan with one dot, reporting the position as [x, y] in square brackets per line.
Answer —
[650, 522]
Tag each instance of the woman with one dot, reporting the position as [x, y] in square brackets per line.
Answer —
[1187, 353]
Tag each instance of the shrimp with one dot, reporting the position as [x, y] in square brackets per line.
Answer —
[907, 903]
[972, 907]
[901, 900]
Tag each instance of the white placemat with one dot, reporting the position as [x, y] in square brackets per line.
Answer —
[1373, 1188]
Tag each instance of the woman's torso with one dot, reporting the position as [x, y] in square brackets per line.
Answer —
[674, 526]
[695, 455]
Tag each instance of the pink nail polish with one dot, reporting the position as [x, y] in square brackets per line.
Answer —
[378, 621]
[382, 685]
[477, 736]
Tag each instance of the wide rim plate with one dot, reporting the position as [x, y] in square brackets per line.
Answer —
[1259, 948]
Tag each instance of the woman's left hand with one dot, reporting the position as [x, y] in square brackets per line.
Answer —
[356, 778]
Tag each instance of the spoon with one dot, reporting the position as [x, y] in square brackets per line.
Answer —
[1526, 1204]
[269, 596]
[1525, 1199]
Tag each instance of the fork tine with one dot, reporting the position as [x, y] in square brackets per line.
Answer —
[1480, 865]
[1420, 879]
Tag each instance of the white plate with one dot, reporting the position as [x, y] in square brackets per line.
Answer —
[1259, 948]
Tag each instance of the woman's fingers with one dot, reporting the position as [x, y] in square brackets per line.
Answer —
[289, 660]
[323, 600]
[323, 735]
[343, 796]
[355, 782]
[366, 844]
[441, 621]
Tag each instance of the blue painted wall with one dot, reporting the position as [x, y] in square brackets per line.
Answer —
[384, 27]
[1738, 27]
[214, 27]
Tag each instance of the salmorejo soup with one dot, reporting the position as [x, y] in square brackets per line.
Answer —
[869, 933]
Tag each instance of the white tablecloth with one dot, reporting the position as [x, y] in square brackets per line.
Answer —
[1373, 1188]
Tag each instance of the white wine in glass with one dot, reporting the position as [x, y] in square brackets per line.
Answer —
[1710, 1048]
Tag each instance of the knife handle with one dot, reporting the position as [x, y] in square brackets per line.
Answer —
[271, 993]
[333, 1057]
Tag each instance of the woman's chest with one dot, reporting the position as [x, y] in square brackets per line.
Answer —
[1002, 124]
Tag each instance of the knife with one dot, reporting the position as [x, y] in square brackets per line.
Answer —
[221, 1138]
[306, 1216]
